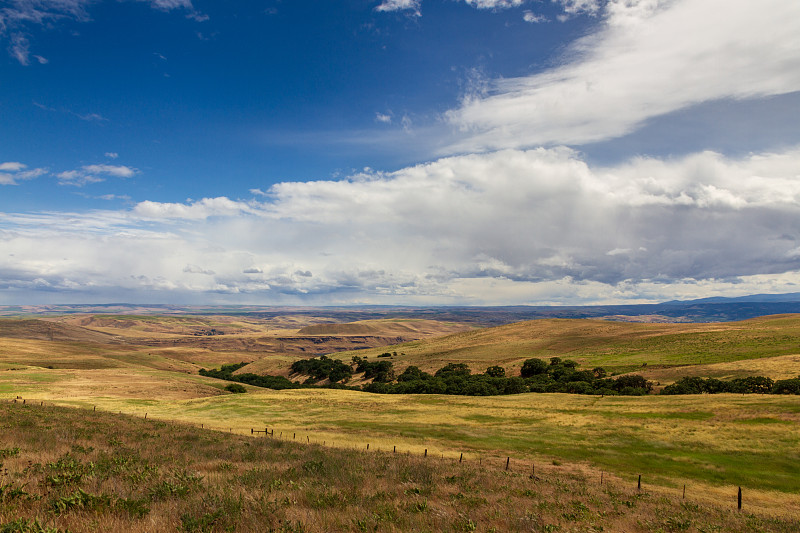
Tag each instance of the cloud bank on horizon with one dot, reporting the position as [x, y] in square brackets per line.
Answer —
[505, 208]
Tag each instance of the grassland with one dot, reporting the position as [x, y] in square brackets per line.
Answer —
[616, 346]
[712, 444]
[77, 470]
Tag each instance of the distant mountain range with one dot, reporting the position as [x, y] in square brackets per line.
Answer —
[716, 309]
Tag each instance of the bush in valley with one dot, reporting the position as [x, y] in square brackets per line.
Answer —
[235, 388]
[787, 386]
[322, 368]
[560, 375]
[379, 371]
[748, 385]
[496, 371]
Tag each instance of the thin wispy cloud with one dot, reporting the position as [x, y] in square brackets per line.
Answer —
[13, 172]
[94, 174]
[412, 6]
[634, 69]
[18, 16]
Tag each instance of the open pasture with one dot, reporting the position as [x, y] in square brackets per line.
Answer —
[710, 443]
[77, 470]
[616, 346]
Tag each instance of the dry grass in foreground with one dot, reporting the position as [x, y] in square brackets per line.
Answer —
[69, 469]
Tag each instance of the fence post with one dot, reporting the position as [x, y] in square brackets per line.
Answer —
[394, 450]
[426, 452]
[251, 431]
[684, 491]
[368, 445]
[601, 477]
[639, 483]
[461, 458]
[739, 502]
[508, 460]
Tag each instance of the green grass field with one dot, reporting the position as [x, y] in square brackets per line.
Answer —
[79, 470]
[709, 443]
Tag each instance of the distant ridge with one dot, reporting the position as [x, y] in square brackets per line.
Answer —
[714, 309]
[786, 297]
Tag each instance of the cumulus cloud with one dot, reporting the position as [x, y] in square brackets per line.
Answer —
[517, 226]
[12, 172]
[199, 210]
[646, 59]
[94, 174]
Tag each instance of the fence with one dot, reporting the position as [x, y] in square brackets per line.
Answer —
[271, 434]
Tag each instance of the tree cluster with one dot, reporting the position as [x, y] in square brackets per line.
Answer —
[454, 378]
[748, 385]
[265, 381]
[536, 376]
[322, 368]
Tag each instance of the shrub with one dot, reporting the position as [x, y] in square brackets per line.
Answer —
[235, 388]
[532, 367]
[496, 371]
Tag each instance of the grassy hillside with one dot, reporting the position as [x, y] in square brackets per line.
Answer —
[617, 346]
[710, 443]
[66, 469]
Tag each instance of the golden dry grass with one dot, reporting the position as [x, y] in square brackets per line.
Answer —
[88, 471]
[616, 346]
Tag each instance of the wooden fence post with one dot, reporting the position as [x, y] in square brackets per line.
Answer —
[508, 460]
[461, 458]
[426, 452]
[394, 450]
[639, 483]
[684, 491]
[739, 500]
[368, 445]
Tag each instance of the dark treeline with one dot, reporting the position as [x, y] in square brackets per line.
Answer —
[748, 385]
[266, 381]
[455, 378]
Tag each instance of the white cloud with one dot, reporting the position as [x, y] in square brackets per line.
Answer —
[94, 174]
[574, 7]
[494, 4]
[200, 210]
[400, 5]
[648, 58]
[12, 166]
[385, 119]
[514, 226]
[12, 172]
[533, 18]
[112, 155]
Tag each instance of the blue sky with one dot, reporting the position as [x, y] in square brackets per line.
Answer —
[398, 151]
